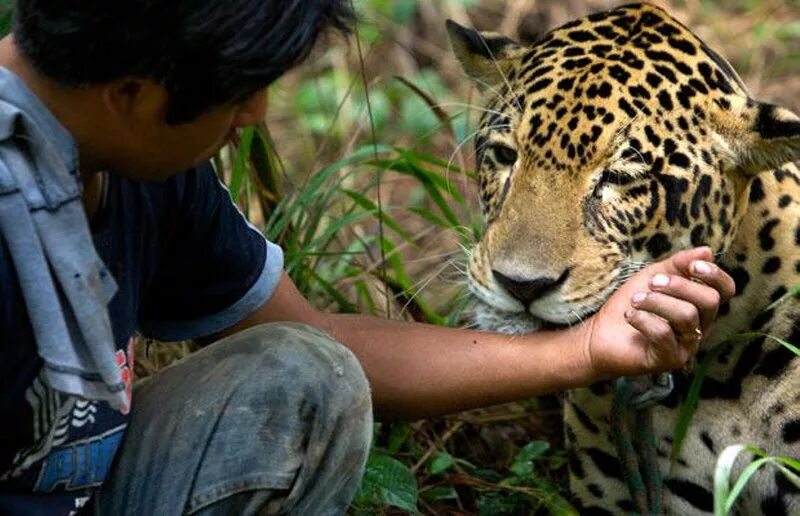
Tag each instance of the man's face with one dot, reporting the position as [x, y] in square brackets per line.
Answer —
[158, 150]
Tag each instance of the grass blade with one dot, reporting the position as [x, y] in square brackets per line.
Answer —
[724, 496]
[368, 204]
[434, 106]
[794, 292]
[689, 405]
[345, 306]
[722, 473]
[239, 169]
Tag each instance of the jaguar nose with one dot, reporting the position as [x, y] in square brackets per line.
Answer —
[528, 290]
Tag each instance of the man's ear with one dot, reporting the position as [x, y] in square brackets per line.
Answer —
[136, 100]
[486, 57]
[762, 136]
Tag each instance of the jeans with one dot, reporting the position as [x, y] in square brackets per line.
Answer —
[273, 420]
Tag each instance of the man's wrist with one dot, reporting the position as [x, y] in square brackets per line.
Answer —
[567, 356]
[585, 364]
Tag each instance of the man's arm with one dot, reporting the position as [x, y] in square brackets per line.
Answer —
[419, 370]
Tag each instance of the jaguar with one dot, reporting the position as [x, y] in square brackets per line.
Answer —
[613, 141]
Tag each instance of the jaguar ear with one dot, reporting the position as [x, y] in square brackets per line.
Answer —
[486, 57]
[762, 136]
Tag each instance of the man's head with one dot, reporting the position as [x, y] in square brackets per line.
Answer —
[207, 61]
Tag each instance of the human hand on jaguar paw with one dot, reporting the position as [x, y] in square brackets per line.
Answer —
[656, 320]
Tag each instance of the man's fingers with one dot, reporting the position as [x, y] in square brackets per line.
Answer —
[682, 315]
[663, 348]
[713, 276]
[680, 262]
[702, 296]
[698, 263]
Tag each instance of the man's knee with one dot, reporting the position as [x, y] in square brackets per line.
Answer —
[292, 360]
[325, 412]
[275, 410]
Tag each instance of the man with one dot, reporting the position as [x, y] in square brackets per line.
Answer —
[102, 105]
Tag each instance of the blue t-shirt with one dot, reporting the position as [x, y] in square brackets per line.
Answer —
[187, 265]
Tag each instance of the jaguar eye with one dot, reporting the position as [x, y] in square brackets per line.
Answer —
[611, 177]
[505, 155]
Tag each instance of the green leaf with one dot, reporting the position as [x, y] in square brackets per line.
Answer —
[793, 292]
[5, 23]
[793, 477]
[439, 493]
[398, 436]
[721, 475]
[267, 168]
[6, 16]
[366, 297]
[559, 506]
[394, 262]
[434, 160]
[432, 104]
[725, 496]
[430, 216]
[523, 465]
[239, 170]
[533, 450]
[370, 205]
[792, 463]
[441, 462]
[433, 184]
[390, 482]
[791, 347]
[689, 406]
[345, 306]
[731, 497]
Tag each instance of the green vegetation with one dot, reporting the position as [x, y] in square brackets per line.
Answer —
[725, 495]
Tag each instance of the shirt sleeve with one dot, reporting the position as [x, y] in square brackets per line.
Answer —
[215, 268]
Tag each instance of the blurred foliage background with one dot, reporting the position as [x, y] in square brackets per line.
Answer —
[363, 173]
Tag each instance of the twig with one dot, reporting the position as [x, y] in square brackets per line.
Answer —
[434, 447]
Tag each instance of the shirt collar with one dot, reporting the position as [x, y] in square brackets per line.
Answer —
[14, 91]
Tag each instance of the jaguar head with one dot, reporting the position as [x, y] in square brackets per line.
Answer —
[615, 140]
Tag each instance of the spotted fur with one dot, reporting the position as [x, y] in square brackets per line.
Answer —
[614, 141]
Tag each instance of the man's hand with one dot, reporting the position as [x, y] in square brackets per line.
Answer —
[656, 320]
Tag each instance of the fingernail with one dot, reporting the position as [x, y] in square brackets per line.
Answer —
[660, 280]
[701, 267]
[629, 314]
[638, 297]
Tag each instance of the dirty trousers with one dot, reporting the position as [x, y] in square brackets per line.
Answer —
[273, 420]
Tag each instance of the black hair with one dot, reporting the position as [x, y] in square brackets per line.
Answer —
[204, 52]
